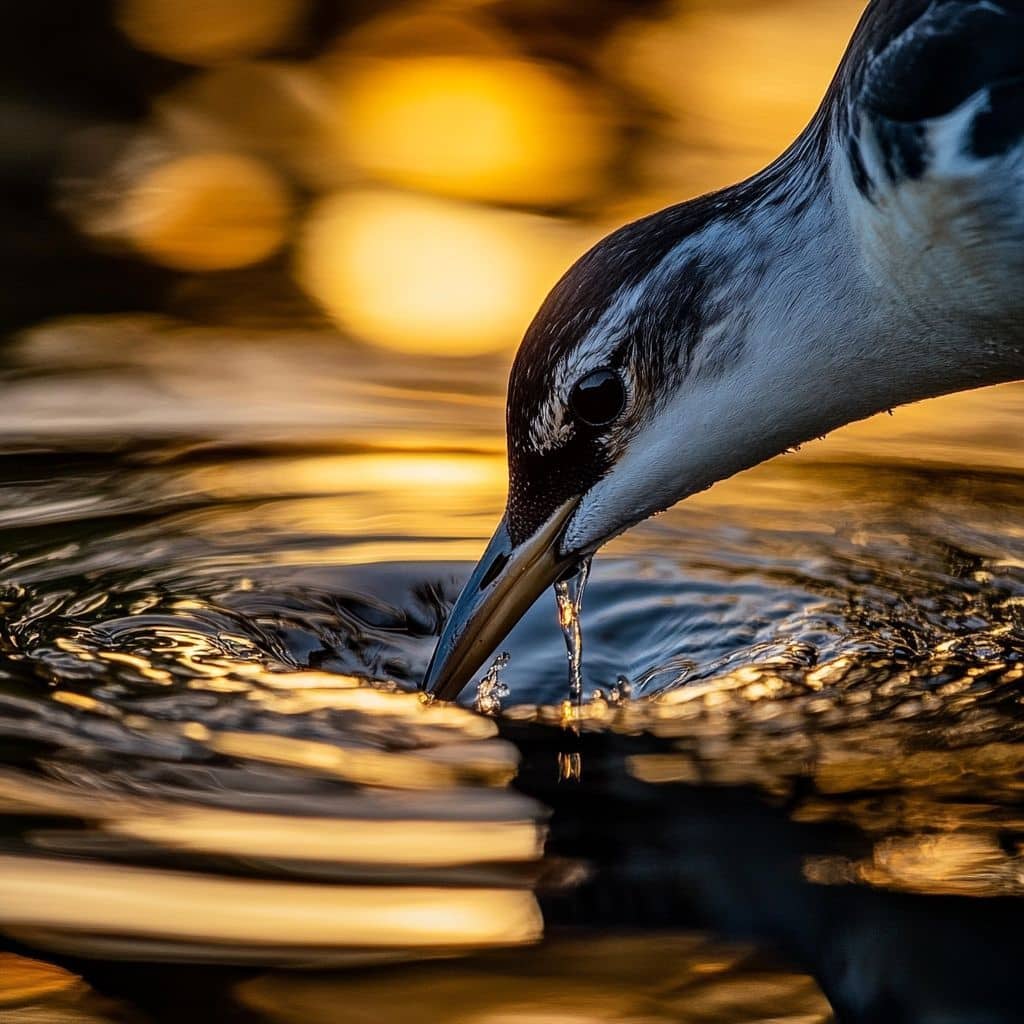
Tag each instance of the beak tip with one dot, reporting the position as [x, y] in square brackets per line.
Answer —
[506, 581]
[439, 680]
[428, 684]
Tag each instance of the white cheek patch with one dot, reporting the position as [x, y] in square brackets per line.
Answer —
[551, 427]
[592, 351]
[725, 242]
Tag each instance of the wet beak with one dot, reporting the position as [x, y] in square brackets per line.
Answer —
[506, 581]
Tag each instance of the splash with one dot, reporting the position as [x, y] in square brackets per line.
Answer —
[621, 693]
[569, 597]
[491, 690]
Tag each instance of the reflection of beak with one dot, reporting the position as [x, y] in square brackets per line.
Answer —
[506, 581]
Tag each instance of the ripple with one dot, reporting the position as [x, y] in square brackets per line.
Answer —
[207, 655]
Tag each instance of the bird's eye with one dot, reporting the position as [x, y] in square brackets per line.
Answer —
[598, 398]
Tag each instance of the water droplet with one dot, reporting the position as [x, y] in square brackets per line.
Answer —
[621, 692]
[570, 766]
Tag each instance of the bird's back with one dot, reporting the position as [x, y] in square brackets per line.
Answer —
[927, 120]
[911, 60]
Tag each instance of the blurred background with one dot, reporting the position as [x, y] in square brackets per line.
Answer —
[411, 176]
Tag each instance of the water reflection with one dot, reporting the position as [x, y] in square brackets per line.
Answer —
[25, 981]
[819, 718]
[618, 979]
[132, 913]
[342, 821]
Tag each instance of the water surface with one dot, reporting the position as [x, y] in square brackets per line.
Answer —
[221, 797]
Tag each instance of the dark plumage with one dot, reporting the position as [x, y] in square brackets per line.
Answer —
[913, 61]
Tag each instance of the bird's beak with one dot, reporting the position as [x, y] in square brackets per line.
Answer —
[507, 580]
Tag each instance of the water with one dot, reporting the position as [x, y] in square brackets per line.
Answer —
[569, 601]
[222, 799]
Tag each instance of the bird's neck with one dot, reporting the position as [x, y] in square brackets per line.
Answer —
[852, 312]
[813, 330]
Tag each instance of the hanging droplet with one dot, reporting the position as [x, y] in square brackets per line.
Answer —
[569, 597]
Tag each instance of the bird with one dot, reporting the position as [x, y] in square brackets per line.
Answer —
[878, 261]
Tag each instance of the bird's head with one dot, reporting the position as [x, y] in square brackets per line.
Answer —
[631, 390]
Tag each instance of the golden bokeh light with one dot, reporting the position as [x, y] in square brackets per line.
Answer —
[280, 111]
[430, 275]
[381, 769]
[479, 128]
[413, 31]
[208, 31]
[207, 211]
[729, 102]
